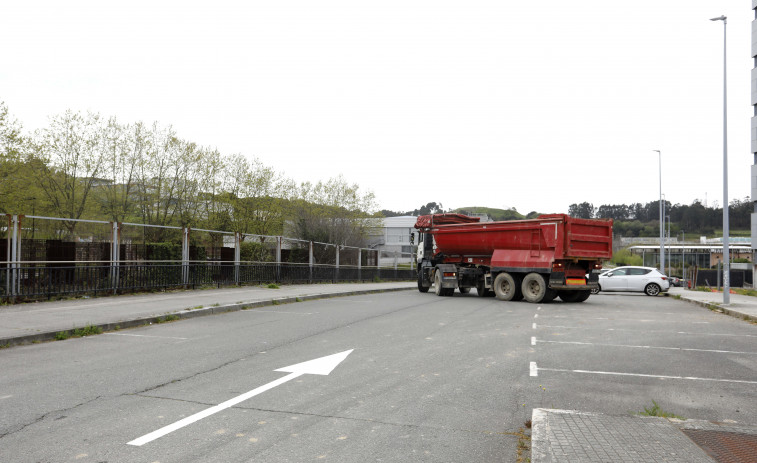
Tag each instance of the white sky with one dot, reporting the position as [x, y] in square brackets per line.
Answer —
[532, 105]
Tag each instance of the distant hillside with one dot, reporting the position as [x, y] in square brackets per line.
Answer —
[496, 214]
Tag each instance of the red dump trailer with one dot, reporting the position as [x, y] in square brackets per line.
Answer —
[536, 259]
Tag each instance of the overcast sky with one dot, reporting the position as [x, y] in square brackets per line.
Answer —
[531, 105]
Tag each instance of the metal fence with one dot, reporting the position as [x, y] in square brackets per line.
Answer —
[46, 257]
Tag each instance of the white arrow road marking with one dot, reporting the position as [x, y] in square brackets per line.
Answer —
[534, 370]
[319, 366]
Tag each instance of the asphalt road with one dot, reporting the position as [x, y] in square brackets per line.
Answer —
[428, 379]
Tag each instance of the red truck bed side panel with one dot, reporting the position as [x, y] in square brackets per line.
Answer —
[524, 243]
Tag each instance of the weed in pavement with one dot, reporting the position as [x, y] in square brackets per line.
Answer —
[656, 410]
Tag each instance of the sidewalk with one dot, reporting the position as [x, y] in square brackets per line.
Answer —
[744, 307]
[41, 321]
[573, 436]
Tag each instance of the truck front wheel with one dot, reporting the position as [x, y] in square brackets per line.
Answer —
[506, 288]
[534, 287]
[421, 288]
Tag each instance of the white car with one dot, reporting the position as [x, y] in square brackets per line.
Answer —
[638, 279]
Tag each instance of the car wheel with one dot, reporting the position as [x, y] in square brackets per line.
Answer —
[652, 289]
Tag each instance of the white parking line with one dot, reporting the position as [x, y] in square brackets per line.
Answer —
[647, 331]
[280, 311]
[536, 315]
[534, 371]
[533, 326]
[534, 341]
[646, 320]
[144, 336]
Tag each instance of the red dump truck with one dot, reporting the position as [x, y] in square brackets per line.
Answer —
[536, 260]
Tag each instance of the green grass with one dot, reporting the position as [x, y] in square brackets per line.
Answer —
[742, 291]
[272, 286]
[167, 318]
[656, 410]
[747, 233]
[88, 330]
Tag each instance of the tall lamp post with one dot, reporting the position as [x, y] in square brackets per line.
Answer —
[670, 249]
[726, 231]
[662, 225]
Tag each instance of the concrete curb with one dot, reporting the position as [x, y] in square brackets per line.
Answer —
[187, 314]
[715, 308]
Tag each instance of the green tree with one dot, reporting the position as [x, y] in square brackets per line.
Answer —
[334, 212]
[584, 210]
[70, 161]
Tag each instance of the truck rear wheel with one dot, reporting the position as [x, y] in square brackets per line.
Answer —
[438, 285]
[550, 295]
[534, 288]
[569, 296]
[482, 290]
[506, 288]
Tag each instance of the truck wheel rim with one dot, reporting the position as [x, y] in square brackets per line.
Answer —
[533, 288]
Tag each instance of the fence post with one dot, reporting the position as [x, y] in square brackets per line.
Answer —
[359, 264]
[238, 237]
[279, 240]
[310, 261]
[16, 257]
[115, 254]
[8, 256]
[336, 270]
[185, 256]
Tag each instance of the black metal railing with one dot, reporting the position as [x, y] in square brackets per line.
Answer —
[45, 281]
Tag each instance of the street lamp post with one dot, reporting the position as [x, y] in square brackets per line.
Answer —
[662, 226]
[683, 255]
[670, 249]
[726, 231]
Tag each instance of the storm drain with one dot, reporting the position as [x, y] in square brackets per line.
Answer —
[725, 447]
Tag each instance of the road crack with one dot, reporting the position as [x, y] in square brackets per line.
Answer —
[45, 415]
